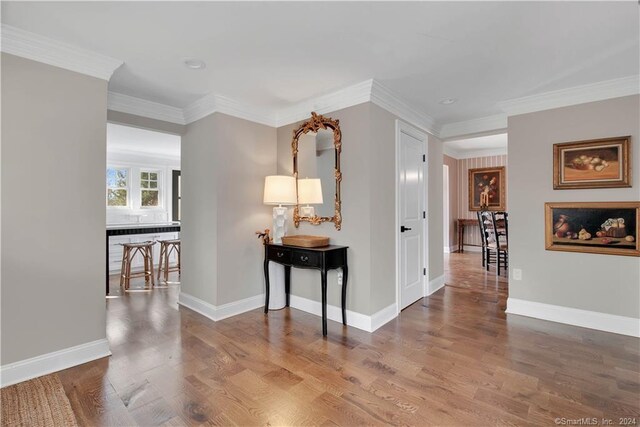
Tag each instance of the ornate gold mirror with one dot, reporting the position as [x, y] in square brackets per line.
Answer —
[316, 148]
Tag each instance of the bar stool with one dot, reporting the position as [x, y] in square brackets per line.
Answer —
[167, 247]
[130, 250]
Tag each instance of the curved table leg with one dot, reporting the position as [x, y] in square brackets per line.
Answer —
[345, 276]
[266, 281]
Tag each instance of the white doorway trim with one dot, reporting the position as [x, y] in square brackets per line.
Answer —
[403, 127]
[445, 213]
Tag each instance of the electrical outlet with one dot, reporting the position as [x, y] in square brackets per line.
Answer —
[340, 278]
[517, 274]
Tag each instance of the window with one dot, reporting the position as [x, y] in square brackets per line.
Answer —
[149, 192]
[117, 187]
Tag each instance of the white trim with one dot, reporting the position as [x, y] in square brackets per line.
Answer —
[450, 249]
[457, 154]
[337, 100]
[473, 126]
[574, 316]
[434, 285]
[34, 367]
[223, 311]
[382, 317]
[384, 98]
[572, 96]
[210, 104]
[16, 41]
[417, 134]
[469, 248]
[354, 319]
[141, 107]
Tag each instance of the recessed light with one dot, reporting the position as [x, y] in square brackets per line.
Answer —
[448, 101]
[195, 64]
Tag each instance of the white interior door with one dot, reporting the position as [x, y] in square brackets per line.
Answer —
[411, 213]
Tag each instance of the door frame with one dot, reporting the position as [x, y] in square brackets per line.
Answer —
[403, 127]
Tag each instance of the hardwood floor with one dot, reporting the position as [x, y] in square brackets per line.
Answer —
[454, 359]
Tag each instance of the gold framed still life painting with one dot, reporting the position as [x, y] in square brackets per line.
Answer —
[487, 189]
[597, 163]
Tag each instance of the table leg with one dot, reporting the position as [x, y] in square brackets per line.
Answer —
[345, 276]
[287, 283]
[266, 282]
[324, 302]
[461, 238]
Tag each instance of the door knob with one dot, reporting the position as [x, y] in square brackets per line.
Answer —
[403, 229]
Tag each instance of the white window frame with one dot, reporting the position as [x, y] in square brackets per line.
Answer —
[128, 187]
[159, 188]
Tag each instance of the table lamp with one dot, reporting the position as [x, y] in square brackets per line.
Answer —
[309, 193]
[279, 190]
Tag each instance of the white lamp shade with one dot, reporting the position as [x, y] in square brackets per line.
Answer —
[279, 190]
[309, 191]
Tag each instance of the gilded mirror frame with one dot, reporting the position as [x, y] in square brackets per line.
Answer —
[316, 123]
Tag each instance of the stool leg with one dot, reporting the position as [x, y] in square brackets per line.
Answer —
[127, 277]
[166, 264]
[122, 267]
[151, 275]
[179, 269]
[162, 249]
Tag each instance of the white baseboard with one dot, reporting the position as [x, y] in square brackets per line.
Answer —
[434, 285]
[354, 319]
[472, 248]
[450, 249]
[34, 367]
[220, 312]
[573, 316]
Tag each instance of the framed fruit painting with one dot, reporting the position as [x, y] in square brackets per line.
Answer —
[487, 189]
[593, 227]
[597, 163]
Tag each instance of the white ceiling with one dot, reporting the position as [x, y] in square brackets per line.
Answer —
[488, 145]
[126, 139]
[274, 54]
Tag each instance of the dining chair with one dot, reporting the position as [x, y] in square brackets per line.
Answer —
[500, 224]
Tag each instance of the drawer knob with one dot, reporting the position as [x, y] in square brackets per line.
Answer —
[280, 254]
[304, 258]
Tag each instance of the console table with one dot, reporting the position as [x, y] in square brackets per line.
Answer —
[461, 224]
[324, 259]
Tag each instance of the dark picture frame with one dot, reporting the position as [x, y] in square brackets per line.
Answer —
[595, 163]
[492, 181]
[610, 228]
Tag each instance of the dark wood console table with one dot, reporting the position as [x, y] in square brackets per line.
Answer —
[324, 259]
[461, 224]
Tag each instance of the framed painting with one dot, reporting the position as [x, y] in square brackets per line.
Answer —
[600, 227]
[487, 189]
[598, 163]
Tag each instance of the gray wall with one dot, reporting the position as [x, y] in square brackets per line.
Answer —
[602, 283]
[53, 208]
[224, 162]
[368, 209]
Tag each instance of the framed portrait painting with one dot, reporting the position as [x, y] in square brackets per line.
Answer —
[596, 227]
[487, 189]
[598, 163]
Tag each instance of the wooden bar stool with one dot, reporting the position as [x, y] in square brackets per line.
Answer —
[130, 250]
[167, 247]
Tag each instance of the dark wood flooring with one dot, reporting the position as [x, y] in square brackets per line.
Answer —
[453, 358]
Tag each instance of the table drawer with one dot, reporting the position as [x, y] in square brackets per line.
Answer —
[279, 254]
[307, 259]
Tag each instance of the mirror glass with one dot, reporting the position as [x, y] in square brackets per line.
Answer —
[317, 159]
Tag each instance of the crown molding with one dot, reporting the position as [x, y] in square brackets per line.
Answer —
[43, 49]
[141, 107]
[384, 98]
[210, 104]
[572, 96]
[493, 123]
[347, 97]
